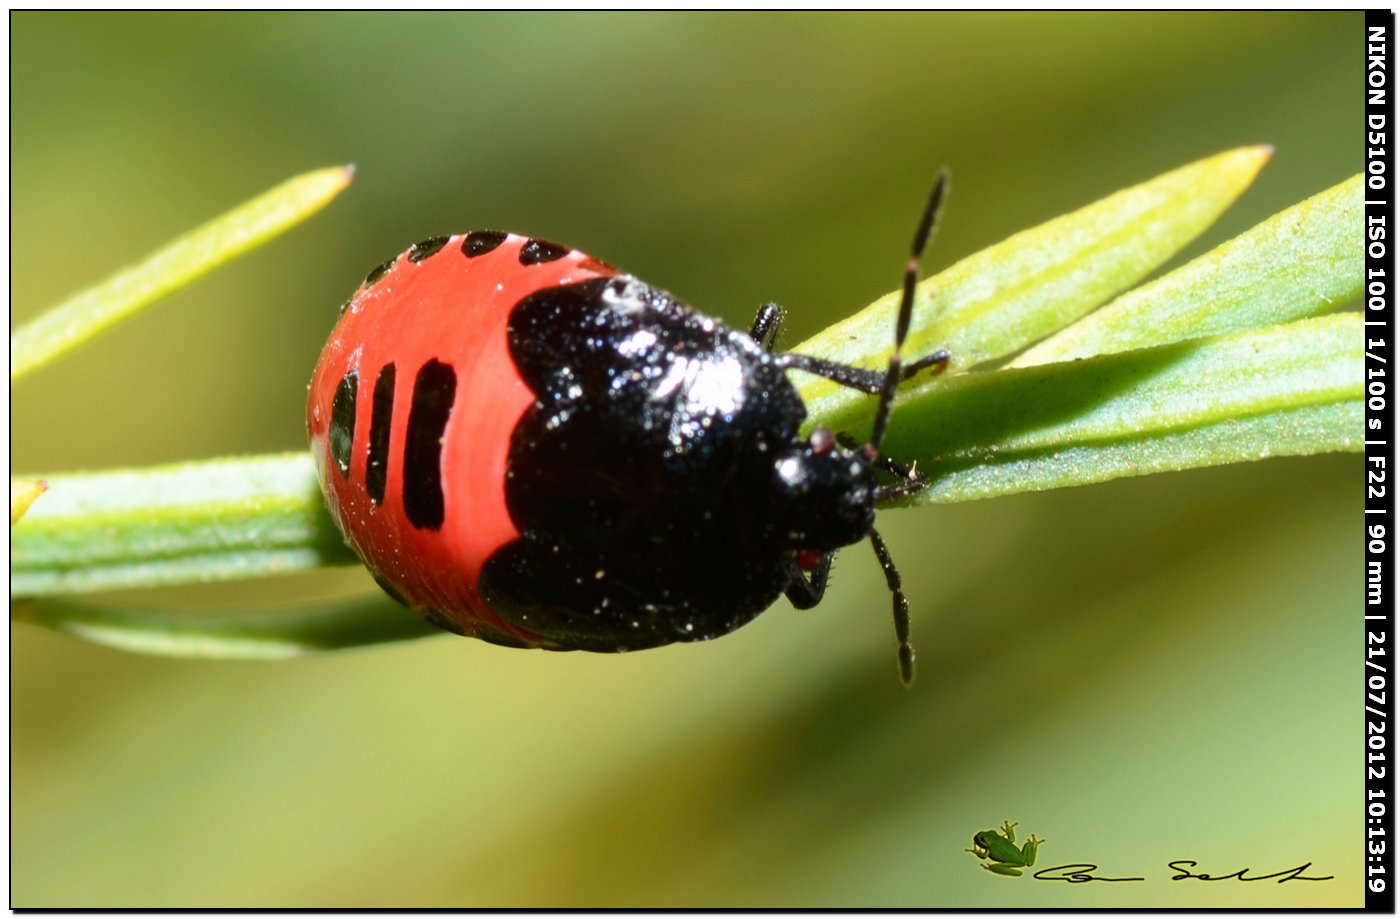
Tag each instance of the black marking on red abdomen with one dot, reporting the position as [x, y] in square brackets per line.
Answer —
[427, 248]
[434, 390]
[379, 272]
[342, 431]
[538, 251]
[482, 242]
[381, 419]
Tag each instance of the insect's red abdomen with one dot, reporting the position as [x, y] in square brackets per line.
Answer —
[411, 411]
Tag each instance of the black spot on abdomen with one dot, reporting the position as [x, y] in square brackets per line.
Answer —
[381, 418]
[342, 433]
[426, 248]
[434, 390]
[379, 272]
[482, 242]
[537, 251]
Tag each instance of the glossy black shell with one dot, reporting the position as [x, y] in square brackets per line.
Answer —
[643, 477]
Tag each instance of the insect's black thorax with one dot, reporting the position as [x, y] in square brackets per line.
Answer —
[642, 478]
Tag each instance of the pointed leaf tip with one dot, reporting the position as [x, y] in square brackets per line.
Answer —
[23, 493]
[1303, 261]
[91, 312]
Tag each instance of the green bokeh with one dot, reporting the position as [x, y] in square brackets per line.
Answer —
[1147, 670]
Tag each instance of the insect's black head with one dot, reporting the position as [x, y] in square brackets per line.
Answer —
[825, 494]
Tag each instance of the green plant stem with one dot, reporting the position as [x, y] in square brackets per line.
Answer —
[185, 523]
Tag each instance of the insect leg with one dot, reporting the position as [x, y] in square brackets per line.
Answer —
[861, 378]
[804, 591]
[868, 381]
[767, 326]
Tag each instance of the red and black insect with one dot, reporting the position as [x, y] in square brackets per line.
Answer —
[526, 446]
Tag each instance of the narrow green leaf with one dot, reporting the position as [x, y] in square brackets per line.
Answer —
[240, 635]
[1005, 297]
[1301, 262]
[192, 522]
[94, 310]
[23, 493]
[1331, 427]
[1291, 389]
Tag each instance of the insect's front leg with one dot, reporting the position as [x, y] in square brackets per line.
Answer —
[806, 591]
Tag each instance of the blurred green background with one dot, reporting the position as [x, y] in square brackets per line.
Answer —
[1152, 669]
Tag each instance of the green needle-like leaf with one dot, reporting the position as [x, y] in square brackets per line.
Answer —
[193, 522]
[1288, 389]
[94, 310]
[1002, 299]
[240, 635]
[1302, 262]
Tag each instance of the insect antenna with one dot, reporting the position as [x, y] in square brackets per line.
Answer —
[893, 375]
[901, 608]
[906, 308]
